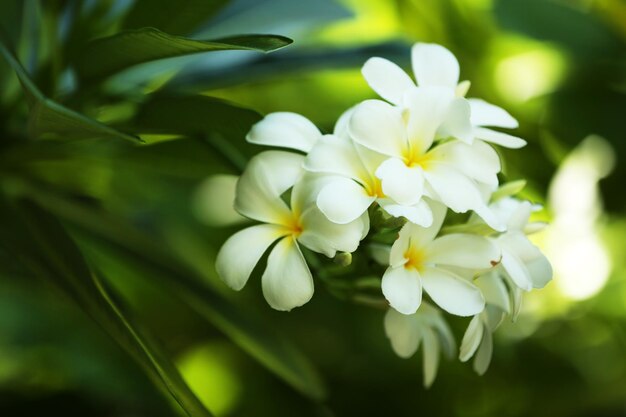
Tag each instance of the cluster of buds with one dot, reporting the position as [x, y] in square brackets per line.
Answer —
[414, 180]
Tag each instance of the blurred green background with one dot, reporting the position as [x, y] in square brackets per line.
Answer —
[78, 200]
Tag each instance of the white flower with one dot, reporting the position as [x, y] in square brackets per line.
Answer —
[427, 327]
[523, 262]
[285, 130]
[478, 340]
[454, 172]
[350, 185]
[435, 66]
[418, 260]
[354, 185]
[287, 281]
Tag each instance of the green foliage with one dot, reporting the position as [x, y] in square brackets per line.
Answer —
[54, 256]
[143, 102]
[106, 56]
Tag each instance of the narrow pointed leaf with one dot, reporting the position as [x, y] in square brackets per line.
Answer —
[49, 118]
[150, 259]
[107, 56]
[56, 257]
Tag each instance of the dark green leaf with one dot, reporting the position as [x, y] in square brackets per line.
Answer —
[179, 17]
[151, 259]
[193, 115]
[223, 124]
[57, 258]
[106, 56]
[47, 117]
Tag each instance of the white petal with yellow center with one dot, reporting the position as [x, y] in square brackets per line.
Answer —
[267, 176]
[403, 184]
[379, 126]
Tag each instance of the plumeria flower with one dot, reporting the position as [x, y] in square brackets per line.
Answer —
[419, 261]
[426, 327]
[354, 185]
[522, 261]
[287, 280]
[436, 67]
[349, 184]
[454, 173]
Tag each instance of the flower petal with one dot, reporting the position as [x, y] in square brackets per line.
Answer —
[486, 114]
[287, 280]
[379, 126]
[452, 293]
[404, 185]
[517, 270]
[242, 251]
[387, 79]
[403, 289]
[463, 250]
[434, 65]
[483, 356]
[342, 124]
[343, 200]
[540, 271]
[478, 161]
[323, 236]
[402, 332]
[427, 108]
[419, 214]
[286, 130]
[267, 176]
[459, 193]
[471, 338]
[499, 138]
[431, 356]
[336, 155]
[456, 123]
[494, 290]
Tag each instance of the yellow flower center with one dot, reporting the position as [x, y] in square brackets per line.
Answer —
[292, 225]
[414, 257]
[413, 158]
[374, 188]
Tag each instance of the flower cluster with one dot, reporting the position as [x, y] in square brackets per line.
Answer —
[410, 160]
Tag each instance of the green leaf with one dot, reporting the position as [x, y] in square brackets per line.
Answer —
[508, 189]
[112, 54]
[193, 115]
[223, 124]
[152, 260]
[179, 17]
[57, 258]
[47, 117]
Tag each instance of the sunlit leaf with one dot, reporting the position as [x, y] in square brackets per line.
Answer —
[106, 56]
[508, 189]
